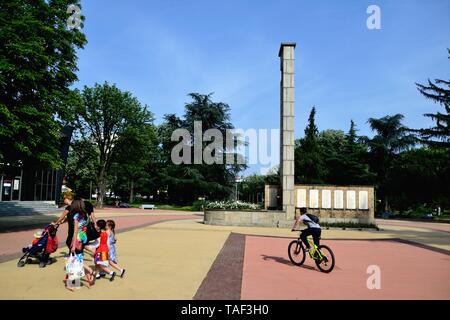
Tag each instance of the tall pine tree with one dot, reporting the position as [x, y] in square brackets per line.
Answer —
[354, 157]
[309, 163]
[391, 138]
[439, 92]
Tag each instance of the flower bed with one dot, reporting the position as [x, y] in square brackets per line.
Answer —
[231, 205]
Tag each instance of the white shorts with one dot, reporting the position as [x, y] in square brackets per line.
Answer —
[93, 244]
[103, 263]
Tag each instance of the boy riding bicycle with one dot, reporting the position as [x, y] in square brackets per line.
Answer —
[313, 228]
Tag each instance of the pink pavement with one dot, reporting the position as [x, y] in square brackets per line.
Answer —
[12, 243]
[407, 272]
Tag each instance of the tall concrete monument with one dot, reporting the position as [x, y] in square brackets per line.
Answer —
[287, 106]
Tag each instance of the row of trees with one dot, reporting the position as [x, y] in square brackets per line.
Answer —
[116, 145]
[410, 168]
[406, 171]
[118, 148]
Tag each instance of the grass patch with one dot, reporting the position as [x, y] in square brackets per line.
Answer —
[174, 207]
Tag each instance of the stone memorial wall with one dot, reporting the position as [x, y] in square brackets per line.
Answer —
[331, 203]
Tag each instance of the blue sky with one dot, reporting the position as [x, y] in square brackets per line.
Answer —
[162, 50]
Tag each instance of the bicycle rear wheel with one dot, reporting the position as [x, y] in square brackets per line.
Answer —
[326, 264]
[296, 252]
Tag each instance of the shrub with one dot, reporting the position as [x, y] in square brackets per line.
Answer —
[198, 205]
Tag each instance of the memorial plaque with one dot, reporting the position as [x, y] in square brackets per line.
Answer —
[314, 198]
[301, 198]
[339, 199]
[326, 199]
[363, 200]
[351, 199]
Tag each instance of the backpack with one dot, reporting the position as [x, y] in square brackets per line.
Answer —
[314, 218]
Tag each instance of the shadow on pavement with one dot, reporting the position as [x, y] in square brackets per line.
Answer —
[285, 261]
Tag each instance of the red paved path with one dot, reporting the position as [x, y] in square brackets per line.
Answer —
[12, 243]
[407, 272]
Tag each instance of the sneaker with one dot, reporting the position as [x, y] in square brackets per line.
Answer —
[98, 276]
[122, 273]
[113, 275]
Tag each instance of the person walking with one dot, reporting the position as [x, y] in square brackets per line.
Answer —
[80, 222]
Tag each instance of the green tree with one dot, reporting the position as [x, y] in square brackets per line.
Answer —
[331, 143]
[251, 188]
[345, 157]
[309, 163]
[106, 115]
[186, 182]
[272, 177]
[419, 178]
[133, 160]
[355, 159]
[165, 171]
[391, 138]
[37, 67]
[82, 166]
[438, 92]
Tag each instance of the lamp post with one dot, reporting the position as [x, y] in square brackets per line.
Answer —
[237, 180]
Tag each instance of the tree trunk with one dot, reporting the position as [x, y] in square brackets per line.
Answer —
[101, 189]
[131, 191]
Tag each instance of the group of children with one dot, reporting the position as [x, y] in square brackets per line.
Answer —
[104, 250]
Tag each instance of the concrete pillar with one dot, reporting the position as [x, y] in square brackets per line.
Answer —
[287, 106]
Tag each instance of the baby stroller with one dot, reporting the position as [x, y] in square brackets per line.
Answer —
[45, 243]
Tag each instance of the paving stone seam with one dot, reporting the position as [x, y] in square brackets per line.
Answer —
[224, 279]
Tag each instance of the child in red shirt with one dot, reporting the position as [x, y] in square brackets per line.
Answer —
[101, 253]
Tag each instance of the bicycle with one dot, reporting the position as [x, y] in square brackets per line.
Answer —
[322, 255]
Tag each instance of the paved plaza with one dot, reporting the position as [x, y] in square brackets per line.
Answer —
[173, 255]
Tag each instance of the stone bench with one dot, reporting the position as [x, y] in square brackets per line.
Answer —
[148, 206]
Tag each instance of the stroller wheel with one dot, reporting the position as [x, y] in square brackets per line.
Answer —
[42, 264]
[29, 260]
[21, 263]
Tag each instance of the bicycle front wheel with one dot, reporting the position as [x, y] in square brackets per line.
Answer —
[296, 252]
[326, 264]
